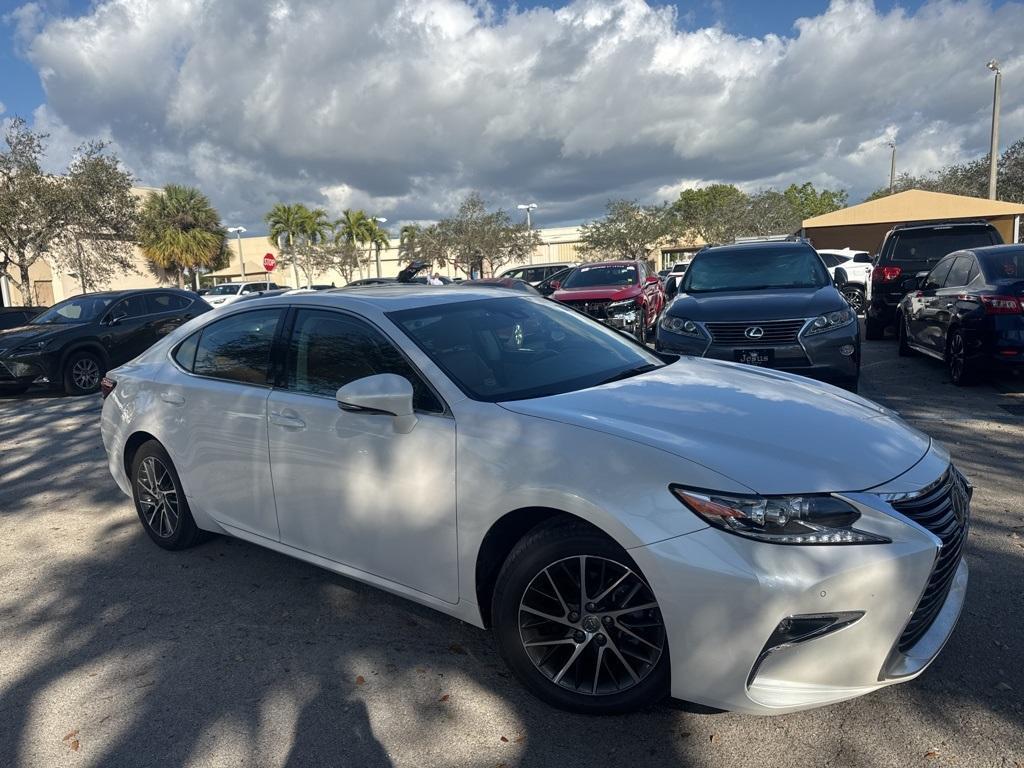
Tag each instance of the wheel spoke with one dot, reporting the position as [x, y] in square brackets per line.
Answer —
[548, 616]
[634, 609]
[621, 658]
[625, 630]
[558, 594]
[597, 669]
[562, 641]
[610, 589]
[575, 655]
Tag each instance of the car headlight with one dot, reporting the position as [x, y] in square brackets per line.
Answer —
[27, 350]
[817, 519]
[831, 320]
[682, 326]
[626, 305]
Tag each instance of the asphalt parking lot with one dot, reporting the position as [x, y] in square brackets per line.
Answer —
[116, 653]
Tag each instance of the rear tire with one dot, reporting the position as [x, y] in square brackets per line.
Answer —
[641, 327]
[905, 349]
[160, 501]
[873, 330]
[584, 652]
[962, 370]
[83, 372]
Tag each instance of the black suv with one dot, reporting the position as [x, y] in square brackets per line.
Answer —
[72, 344]
[912, 248]
[13, 317]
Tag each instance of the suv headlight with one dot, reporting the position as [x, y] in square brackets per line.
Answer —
[818, 519]
[831, 320]
[682, 326]
[27, 350]
[620, 307]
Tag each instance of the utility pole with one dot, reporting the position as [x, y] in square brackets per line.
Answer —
[527, 207]
[241, 260]
[892, 168]
[993, 166]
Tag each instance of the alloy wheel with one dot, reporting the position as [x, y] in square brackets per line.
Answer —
[591, 625]
[957, 357]
[158, 497]
[85, 373]
[856, 301]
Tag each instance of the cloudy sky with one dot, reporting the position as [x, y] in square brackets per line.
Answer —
[403, 106]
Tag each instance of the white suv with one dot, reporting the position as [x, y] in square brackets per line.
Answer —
[228, 293]
[857, 265]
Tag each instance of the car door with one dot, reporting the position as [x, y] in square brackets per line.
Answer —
[920, 315]
[166, 312]
[214, 416]
[124, 333]
[946, 300]
[349, 487]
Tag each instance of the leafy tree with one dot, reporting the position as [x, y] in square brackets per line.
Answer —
[288, 224]
[97, 240]
[357, 228]
[806, 201]
[770, 212]
[628, 230]
[716, 213]
[409, 242]
[377, 240]
[180, 230]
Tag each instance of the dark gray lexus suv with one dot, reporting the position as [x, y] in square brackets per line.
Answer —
[771, 304]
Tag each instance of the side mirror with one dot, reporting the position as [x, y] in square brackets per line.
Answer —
[919, 279]
[555, 285]
[671, 287]
[862, 258]
[840, 278]
[653, 279]
[383, 393]
[115, 319]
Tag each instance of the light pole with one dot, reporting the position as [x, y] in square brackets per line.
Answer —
[238, 231]
[892, 168]
[527, 207]
[376, 246]
[994, 150]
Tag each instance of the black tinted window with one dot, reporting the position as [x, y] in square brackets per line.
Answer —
[133, 306]
[12, 320]
[237, 348]
[938, 275]
[185, 354]
[328, 350]
[751, 269]
[1003, 264]
[958, 274]
[165, 302]
[931, 245]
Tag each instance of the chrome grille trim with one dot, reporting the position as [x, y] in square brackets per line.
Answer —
[775, 332]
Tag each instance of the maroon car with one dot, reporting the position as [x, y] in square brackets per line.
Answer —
[623, 294]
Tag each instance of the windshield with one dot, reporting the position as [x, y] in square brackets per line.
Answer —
[931, 245]
[1003, 265]
[81, 309]
[224, 289]
[592, 277]
[518, 347]
[735, 269]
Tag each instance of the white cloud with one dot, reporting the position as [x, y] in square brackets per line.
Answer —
[400, 106]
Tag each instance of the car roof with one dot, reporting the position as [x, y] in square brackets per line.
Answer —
[761, 245]
[390, 298]
[608, 263]
[987, 249]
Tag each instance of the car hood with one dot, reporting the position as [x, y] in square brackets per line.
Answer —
[597, 293]
[15, 337]
[773, 432]
[781, 304]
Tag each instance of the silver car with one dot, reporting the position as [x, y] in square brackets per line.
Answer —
[629, 529]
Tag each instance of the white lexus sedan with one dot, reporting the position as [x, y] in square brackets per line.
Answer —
[629, 525]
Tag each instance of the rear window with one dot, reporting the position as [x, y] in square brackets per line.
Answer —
[1003, 265]
[929, 246]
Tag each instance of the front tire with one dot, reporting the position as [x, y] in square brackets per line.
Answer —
[160, 500]
[905, 350]
[577, 623]
[856, 299]
[641, 327]
[83, 372]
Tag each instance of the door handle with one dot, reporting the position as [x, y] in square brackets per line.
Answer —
[287, 419]
[172, 398]
[950, 305]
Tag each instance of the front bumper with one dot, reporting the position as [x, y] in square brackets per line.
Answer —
[16, 371]
[722, 597]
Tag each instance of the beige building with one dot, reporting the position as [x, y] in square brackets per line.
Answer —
[863, 226]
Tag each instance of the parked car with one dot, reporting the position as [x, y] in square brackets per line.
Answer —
[226, 293]
[509, 283]
[857, 266]
[15, 317]
[968, 312]
[628, 528]
[73, 343]
[622, 294]
[771, 304]
[554, 282]
[535, 274]
[909, 249]
[417, 280]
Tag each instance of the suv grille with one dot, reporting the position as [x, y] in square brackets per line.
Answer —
[945, 511]
[596, 308]
[772, 332]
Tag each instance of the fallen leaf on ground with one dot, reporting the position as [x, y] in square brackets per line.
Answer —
[444, 698]
[713, 738]
[360, 679]
[71, 735]
[504, 738]
[931, 754]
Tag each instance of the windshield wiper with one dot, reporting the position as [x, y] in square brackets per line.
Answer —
[628, 373]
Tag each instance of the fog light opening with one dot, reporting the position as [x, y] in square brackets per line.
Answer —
[846, 350]
[801, 628]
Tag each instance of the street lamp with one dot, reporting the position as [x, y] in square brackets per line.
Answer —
[527, 207]
[379, 220]
[238, 231]
[892, 167]
[994, 149]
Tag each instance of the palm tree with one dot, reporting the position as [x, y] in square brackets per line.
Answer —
[288, 224]
[317, 226]
[355, 227]
[180, 229]
[409, 242]
[378, 239]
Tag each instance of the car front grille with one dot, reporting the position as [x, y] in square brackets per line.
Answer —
[944, 510]
[598, 309]
[755, 332]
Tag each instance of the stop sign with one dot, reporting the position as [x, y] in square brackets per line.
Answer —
[269, 262]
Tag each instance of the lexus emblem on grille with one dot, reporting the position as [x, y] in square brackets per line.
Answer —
[754, 332]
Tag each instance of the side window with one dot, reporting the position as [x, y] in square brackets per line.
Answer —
[238, 347]
[958, 274]
[328, 350]
[938, 275]
[185, 354]
[975, 271]
[133, 306]
[165, 302]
